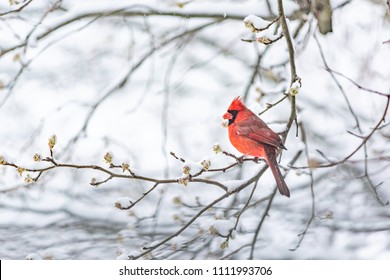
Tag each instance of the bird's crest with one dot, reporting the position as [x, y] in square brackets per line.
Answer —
[236, 104]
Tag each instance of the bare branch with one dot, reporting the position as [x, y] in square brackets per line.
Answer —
[17, 10]
[365, 139]
[313, 203]
[386, 94]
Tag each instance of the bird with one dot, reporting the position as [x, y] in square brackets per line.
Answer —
[251, 136]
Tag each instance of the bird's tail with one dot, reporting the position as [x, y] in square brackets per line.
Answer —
[273, 165]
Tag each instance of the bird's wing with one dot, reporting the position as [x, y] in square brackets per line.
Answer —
[262, 135]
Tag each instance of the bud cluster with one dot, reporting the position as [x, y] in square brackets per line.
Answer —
[52, 142]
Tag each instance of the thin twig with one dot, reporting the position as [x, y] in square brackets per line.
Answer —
[313, 203]
[343, 93]
[261, 222]
[365, 139]
[126, 77]
[293, 70]
[17, 10]
[197, 215]
[268, 208]
[386, 94]
[243, 209]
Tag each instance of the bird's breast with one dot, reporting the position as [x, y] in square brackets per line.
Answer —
[244, 144]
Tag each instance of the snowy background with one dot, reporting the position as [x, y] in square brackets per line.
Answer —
[139, 79]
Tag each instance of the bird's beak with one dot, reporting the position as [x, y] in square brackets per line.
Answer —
[227, 116]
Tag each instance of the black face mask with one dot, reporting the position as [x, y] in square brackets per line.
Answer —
[234, 114]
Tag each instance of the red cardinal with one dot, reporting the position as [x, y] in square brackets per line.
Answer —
[251, 136]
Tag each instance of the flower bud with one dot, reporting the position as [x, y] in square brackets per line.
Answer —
[93, 182]
[2, 160]
[225, 123]
[206, 164]
[183, 180]
[37, 157]
[177, 200]
[213, 231]
[28, 179]
[20, 170]
[224, 245]
[295, 87]
[217, 148]
[108, 158]
[186, 169]
[52, 142]
[125, 166]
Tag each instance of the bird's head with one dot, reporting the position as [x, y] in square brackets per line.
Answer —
[235, 107]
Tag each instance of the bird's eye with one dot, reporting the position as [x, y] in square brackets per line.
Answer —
[233, 112]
